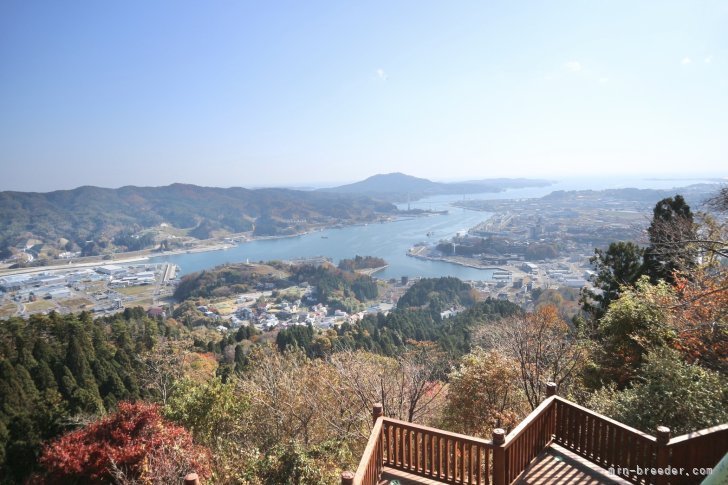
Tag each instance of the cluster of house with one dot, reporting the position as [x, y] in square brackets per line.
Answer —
[300, 311]
[268, 316]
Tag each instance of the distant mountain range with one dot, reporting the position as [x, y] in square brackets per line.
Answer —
[398, 186]
[94, 220]
[99, 216]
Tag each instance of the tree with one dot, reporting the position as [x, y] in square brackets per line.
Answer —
[672, 235]
[484, 394]
[636, 323]
[135, 443]
[164, 365]
[719, 202]
[219, 416]
[542, 345]
[285, 389]
[685, 397]
[619, 265]
[701, 317]
[408, 386]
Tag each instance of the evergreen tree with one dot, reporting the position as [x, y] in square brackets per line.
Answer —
[672, 232]
[621, 264]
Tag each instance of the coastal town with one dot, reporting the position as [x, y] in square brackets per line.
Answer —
[111, 288]
[102, 289]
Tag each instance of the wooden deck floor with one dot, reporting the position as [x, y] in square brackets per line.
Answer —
[555, 465]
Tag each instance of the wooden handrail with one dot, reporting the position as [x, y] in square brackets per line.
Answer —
[436, 454]
[440, 432]
[696, 434]
[606, 442]
[461, 459]
[696, 450]
[527, 440]
[523, 425]
[605, 418]
[371, 459]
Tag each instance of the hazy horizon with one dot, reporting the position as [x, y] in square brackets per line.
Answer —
[291, 95]
[595, 181]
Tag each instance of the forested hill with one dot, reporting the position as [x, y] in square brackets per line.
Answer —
[54, 368]
[88, 213]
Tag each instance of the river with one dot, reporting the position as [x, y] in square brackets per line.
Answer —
[392, 240]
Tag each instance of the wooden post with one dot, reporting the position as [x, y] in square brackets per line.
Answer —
[347, 478]
[663, 453]
[499, 456]
[192, 479]
[550, 389]
[550, 392]
[376, 412]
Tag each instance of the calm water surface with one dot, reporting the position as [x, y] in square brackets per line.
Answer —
[389, 241]
[392, 240]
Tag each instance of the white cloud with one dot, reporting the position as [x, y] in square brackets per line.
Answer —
[686, 61]
[381, 74]
[573, 66]
[603, 80]
[709, 59]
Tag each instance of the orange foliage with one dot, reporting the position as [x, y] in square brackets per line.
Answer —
[702, 317]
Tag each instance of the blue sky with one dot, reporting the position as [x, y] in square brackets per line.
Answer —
[233, 93]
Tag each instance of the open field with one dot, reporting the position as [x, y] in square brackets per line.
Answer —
[136, 290]
[8, 310]
[40, 306]
[76, 304]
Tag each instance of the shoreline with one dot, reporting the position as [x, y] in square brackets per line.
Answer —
[371, 271]
[444, 259]
[200, 246]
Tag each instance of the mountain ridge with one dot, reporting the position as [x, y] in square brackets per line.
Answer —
[90, 213]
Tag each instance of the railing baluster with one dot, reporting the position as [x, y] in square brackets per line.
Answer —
[415, 451]
[423, 451]
[586, 449]
[441, 457]
[462, 461]
[433, 455]
[560, 419]
[605, 444]
[400, 455]
[487, 456]
[598, 450]
[618, 447]
[410, 454]
[447, 458]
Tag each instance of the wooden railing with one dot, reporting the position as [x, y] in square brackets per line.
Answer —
[459, 459]
[603, 441]
[528, 439]
[422, 451]
[371, 464]
[436, 454]
[696, 450]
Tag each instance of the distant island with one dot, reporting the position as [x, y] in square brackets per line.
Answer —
[398, 187]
